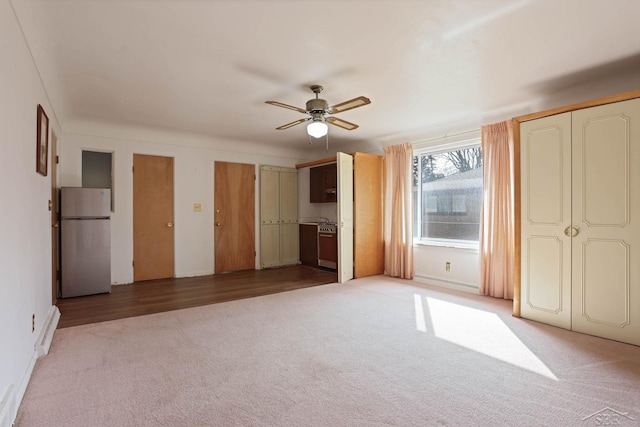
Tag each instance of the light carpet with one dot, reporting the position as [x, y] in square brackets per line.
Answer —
[372, 352]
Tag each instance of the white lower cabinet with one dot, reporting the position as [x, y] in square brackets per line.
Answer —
[580, 220]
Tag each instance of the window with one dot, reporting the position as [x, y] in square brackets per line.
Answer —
[447, 194]
[97, 171]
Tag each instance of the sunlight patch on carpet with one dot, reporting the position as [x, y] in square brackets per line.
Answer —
[483, 332]
[420, 322]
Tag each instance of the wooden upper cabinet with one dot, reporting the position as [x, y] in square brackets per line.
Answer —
[316, 190]
[323, 184]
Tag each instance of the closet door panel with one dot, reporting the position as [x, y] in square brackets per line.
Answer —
[545, 214]
[602, 169]
[269, 195]
[289, 196]
[289, 233]
[548, 254]
[289, 247]
[606, 224]
[270, 245]
[605, 285]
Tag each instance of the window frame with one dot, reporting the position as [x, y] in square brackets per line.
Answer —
[439, 148]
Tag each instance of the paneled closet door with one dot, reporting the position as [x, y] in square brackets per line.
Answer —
[289, 233]
[269, 216]
[545, 213]
[606, 221]
[345, 217]
[278, 216]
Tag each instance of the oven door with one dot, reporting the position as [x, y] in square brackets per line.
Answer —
[327, 249]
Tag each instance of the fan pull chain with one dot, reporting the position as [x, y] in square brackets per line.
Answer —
[326, 138]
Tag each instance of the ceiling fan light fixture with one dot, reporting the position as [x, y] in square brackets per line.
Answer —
[317, 129]
[318, 109]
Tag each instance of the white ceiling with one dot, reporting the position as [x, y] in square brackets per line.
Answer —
[428, 66]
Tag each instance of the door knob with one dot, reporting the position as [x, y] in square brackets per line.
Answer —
[571, 231]
[169, 224]
[217, 224]
[55, 225]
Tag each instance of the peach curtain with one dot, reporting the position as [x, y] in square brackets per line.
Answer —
[398, 224]
[497, 220]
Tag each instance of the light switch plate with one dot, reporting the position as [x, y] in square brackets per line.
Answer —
[197, 207]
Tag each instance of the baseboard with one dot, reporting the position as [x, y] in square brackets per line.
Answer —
[7, 408]
[185, 274]
[13, 396]
[46, 334]
[458, 286]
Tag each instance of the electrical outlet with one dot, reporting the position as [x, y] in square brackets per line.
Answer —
[33, 322]
[447, 266]
[197, 207]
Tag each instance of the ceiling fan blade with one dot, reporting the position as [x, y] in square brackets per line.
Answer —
[341, 123]
[350, 104]
[288, 125]
[290, 107]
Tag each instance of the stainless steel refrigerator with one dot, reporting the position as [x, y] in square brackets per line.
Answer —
[85, 239]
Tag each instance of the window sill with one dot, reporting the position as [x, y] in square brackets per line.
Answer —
[455, 244]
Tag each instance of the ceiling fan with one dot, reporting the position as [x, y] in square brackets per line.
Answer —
[318, 109]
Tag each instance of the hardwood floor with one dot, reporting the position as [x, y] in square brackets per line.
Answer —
[155, 296]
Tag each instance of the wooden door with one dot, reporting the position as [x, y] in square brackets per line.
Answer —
[545, 214]
[234, 231]
[153, 235]
[345, 217]
[606, 222]
[55, 226]
[368, 230]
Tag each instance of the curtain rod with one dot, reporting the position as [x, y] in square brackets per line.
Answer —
[446, 136]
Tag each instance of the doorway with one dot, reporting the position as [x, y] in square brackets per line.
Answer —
[234, 231]
[53, 207]
[153, 236]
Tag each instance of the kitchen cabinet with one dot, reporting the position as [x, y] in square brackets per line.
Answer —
[580, 219]
[323, 183]
[309, 244]
[367, 223]
[278, 216]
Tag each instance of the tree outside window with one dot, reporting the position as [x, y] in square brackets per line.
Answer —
[448, 194]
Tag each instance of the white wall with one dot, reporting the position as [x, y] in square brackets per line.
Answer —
[25, 221]
[430, 267]
[194, 159]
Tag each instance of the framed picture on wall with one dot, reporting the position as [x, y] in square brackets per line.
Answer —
[42, 146]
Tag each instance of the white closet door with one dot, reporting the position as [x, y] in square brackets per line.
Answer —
[289, 234]
[606, 221]
[269, 216]
[269, 195]
[345, 217]
[545, 214]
